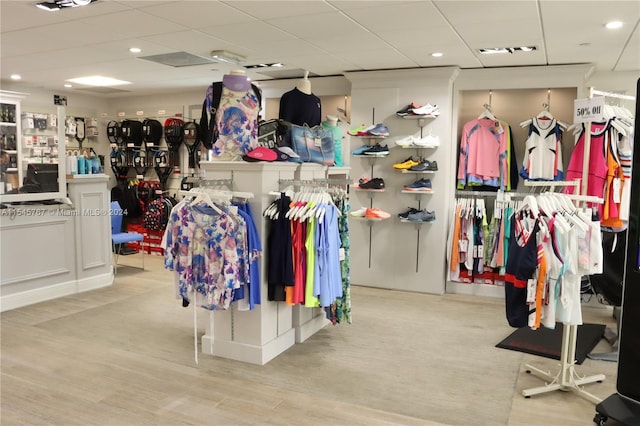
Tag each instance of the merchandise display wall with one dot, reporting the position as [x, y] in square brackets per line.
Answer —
[390, 253]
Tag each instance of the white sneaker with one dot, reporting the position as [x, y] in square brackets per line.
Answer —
[428, 109]
[359, 213]
[405, 142]
[428, 141]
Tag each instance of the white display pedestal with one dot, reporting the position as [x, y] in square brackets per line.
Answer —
[262, 334]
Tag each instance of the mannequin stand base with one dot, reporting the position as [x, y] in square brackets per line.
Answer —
[619, 409]
[571, 383]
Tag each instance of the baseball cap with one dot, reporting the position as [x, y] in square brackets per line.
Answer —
[260, 154]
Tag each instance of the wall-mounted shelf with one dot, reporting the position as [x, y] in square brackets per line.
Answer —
[406, 191]
[418, 172]
[416, 222]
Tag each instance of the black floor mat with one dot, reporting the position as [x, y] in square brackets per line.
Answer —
[548, 343]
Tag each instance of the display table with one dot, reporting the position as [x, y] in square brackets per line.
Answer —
[51, 251]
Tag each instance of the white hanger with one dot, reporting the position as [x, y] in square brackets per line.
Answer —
[205, 198]
[487, 113]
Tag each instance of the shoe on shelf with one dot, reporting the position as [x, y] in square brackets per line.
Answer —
[377, 149]
[359, 213]
[378, 130]
[422, 216]
[428, 142]
[406, 164]
[425, 166]
[404, 215]
[375, 183]
[421, 185]
[354, 132]
[427, 110]
[408, 110]
[360, 150]
[406, 142]
[376, 213]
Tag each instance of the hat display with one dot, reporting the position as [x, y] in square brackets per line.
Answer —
[260, 154]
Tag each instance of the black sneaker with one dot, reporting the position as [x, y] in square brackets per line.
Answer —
[425, 166]
[377, 149]
[404, 215]
[375, 183]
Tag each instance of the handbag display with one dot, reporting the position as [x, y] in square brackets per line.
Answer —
[313, 144]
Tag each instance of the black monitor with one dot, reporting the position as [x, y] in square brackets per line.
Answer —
[43, 176]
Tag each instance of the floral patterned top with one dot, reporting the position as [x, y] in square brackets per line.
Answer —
[237, 122]
[208, 251]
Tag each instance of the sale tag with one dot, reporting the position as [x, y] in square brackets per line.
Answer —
[318, 141]
[617, 198]
[586, 110]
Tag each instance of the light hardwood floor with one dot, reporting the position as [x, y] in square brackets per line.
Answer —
[123, 355]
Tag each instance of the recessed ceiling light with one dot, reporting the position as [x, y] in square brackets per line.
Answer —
[135, 50]
[437, 54]
[16, 76]
[494, 50]
[613, 25]
[68, 85]
[98, 80]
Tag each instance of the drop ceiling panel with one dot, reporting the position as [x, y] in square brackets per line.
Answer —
[132, 23]
[250, 32]
[383, 59]
[191, 40]
[321, 24]
[366, 4]
[280, 9]
[491, 13]
[208, 13]
[415, 15]
[512, 60]
[322, 64]
[453, 55]
[362, 41]
[419, 37]
[630, 58]
[290, 46]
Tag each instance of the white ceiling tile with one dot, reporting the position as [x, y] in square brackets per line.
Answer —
[280, 9]
[320, 24]
[491, 13]
[322, 64]
[432, 36]
[415, 15]
[363, 41]
[630, 58]
[191, 41]
[208, 13]
[513, 60]
[248, 33]
[132, 23]
[285, 47]
[387, 59]
[365, 4]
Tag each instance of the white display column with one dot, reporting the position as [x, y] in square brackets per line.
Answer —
[390, 253]
[259, 335]
[308, 321]
[90, 197]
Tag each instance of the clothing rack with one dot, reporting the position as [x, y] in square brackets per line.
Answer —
[567, 379]
[593, 92]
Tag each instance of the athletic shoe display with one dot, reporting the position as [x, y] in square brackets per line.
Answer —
[408, 110]
[406, 142]
[375, 183]
[422, 216]
[406, 164]
[428, 142]
[425, 166]
[404, 215]
[377, 149]
[421, 185]
[376, 213]
[361, 150]
[378, 130]
[427, 110]
[359, 213]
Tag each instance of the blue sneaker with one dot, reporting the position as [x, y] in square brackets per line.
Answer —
[361, 150]
[421, 185]
[379, 130]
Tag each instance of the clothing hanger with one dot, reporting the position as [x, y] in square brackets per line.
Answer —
[203, 197]
[487, 113]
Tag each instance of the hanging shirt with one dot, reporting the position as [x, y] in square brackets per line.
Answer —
[280, 261]
[483, 154]
[543, 151]
[300, 108]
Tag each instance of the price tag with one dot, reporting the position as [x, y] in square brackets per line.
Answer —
[139, 113]
[617, 198]
[318, 142]
[161, 112]
[341, 255]
[103, 114]
[121, 114]
[585, 110]
[130, 145]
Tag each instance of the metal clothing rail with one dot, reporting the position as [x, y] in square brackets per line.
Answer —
[593, 91]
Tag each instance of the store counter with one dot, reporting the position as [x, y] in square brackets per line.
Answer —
[53, 250]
